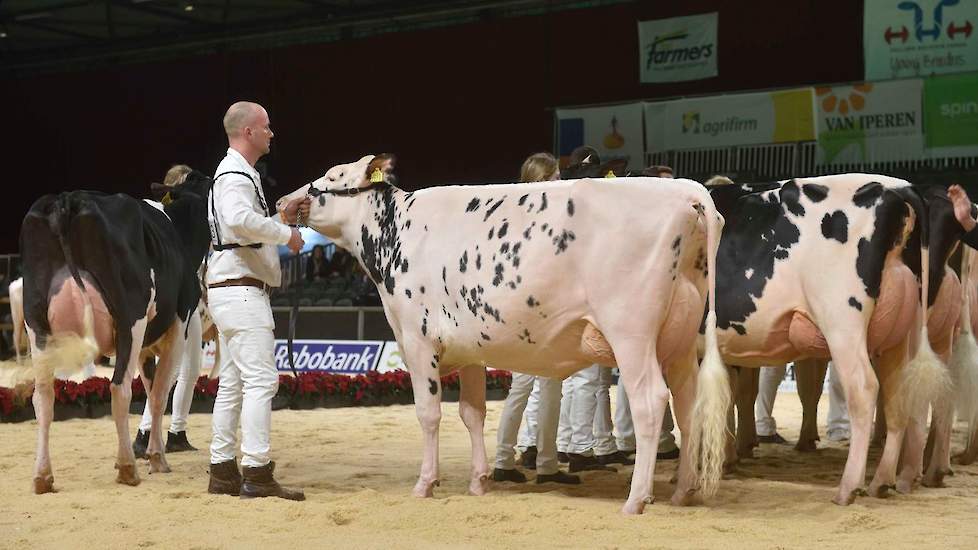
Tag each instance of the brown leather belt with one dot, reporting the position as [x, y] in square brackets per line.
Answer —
[243, 281]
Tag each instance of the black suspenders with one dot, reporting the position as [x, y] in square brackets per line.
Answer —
[218, 245]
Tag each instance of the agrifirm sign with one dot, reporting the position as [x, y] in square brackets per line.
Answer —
[615, 131]
[737, 119]
[680, 48]
[908, 38]
[870, 122]
[951, 111]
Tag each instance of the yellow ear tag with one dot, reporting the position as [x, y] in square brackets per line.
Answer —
[167, 199]
[377, 176]
[610, 174]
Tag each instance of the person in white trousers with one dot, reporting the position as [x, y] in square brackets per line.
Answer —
[581, 407]
[767, 391]
[625, 429]
[240, 273]
[838, 418]
[526, 441]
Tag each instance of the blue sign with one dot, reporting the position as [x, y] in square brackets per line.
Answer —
[334, 356]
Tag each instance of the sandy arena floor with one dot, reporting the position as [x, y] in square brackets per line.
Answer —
[358, 466]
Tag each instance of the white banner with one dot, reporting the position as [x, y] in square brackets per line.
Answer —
[615, 131]
[907, 38]
[737, 119]
[677, 49]
[870, 122]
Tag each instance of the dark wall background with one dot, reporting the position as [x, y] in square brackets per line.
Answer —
[457, 104]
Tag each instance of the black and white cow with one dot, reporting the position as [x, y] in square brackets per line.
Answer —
[543, 278]
[113, 275]
[814, 268]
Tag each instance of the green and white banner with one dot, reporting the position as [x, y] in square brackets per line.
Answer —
[736, 119]
[679, 48]
[951, 114]
[908, 38]
[870, 122]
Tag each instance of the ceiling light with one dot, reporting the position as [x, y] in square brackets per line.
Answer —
[3, 34]
[188, 7]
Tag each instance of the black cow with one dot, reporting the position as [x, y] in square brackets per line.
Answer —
[110, 274]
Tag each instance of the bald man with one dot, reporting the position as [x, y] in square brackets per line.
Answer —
[240, 273]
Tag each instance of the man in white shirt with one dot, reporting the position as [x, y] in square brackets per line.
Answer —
[240, 273]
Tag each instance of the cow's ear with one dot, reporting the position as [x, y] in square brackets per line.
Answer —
[384, 163]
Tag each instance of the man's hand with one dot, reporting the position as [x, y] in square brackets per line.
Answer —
[300, 207]
[296, 242]
[962, 207]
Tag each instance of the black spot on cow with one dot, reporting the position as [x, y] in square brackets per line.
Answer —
[499, 275]
[404, 265]
[887, 229]
[493, 208]
[407, 224]
[504, 248]
[421, 289]
[532, 302]
[526, 233]
[444, 274]
[432, 386]
[543, 202]
[463, 262]
[790, 198]
[322, 200]
[815, 192]
[867, 195]
[434, 363]
[407, 292]
[493, 312]
[473, 205]
[570, 207]
[492, 231]
[563, 240]
[675, 243]
[836, 226]
[523, 199]
[503, 229]
[738, 328]
[478, 262]
[855, 303]
[424, 326]
[544, 227]
[484, 336]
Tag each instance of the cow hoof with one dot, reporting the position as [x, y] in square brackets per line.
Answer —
[43, 485]
[158, 464]
[636, 508]
[745, 453]
[880, 491]
[934, 480]
[904, 487]
[674, 479]
[965, 459]
[127, 475]
[729, 468]
[425, 489]
[845, 499]
[806, 446]
[479, 486]
[683, 498]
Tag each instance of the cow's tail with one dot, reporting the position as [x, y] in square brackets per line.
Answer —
[65, 352]
[16, 293]
[709, 428]
[925, 377]
[964, 360]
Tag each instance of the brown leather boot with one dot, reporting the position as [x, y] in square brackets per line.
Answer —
[260, 482]
[225, 479]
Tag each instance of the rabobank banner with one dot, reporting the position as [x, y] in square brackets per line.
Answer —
[870, 122]
[614, 130]
[736, 119]
[334, 356]
[680, 48]
[909, 38]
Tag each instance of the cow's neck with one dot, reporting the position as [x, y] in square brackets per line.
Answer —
[376, 240]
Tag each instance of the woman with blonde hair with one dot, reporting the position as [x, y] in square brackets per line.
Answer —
[537, 167]
[176, 175]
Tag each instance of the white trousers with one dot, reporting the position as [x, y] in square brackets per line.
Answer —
[625, 429]
[767, 391]
[582, 429]
[187, 371]
[528, 429]
[249, 379]
[509, 422]
[604, 438]
[838, 419]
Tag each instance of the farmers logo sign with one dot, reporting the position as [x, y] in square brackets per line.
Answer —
[681, 48]
[904, 38]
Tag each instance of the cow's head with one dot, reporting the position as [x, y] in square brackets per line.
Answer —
[336, 196]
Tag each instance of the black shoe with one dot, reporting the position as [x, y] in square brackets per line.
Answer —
[225, 479]
[177, 442]
[529, 458]
[559, 477]
[514, 475]
[140, 444]
[776, 439]
[668, 455]
[562, 458]
[259, 482]
[616, 457]
[580, 463]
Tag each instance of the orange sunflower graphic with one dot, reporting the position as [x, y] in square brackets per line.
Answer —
[855, 99]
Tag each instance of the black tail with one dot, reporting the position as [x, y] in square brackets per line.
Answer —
[61, 215]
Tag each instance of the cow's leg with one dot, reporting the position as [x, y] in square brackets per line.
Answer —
[746, 397]
[730, 448]
[810, 376]
[861, 388]
[472, 409]
[912, 454]
[879, 427]
[128, 345]
[647, 396]
[970, 453]
[939, 458]
[422, 362]
[888, 368]
[682, 381]
[44, 412]
[165, 375]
